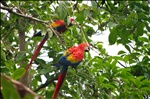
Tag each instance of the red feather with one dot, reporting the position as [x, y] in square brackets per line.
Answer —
[60, 82]
[36, 52]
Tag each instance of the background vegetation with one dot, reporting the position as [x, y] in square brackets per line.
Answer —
[124, 76]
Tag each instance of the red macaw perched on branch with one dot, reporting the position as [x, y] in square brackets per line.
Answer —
[59, 26]
[72, 57]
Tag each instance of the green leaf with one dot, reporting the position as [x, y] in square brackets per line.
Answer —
[21, 56]
[117, 57]
[128, 48]
[94, 4]
[112, 36]
[121, 52]
[86, 12]
[29, 96]
[3, 56]
[62, 10]
[143, 39]
[147, 27]
[146, 89]
[49, 94]
[10, 65]
[80, 17]
[140, 29]
[147, 75]
[124, 34]
[18, 73]
[111, 24]
[131, 19]
[39, 61]
[89, 31]
[100, 79]
[108, 86]
[8, 90]
[38, 77]
[80, 1]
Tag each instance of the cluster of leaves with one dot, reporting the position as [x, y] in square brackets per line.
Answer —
[99, 77]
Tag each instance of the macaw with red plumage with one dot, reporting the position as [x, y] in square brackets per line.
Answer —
[59, 26]
[71, 57]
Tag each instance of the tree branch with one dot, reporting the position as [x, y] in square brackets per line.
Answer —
[46, 83]
[82, 31]
[28, 17]
[21, 88]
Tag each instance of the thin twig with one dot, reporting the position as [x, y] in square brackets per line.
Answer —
[55, 32]
[46, 83]
[121, 64]
[82, 31]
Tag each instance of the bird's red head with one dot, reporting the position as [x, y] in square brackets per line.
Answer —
[71, 21]
[84, 47]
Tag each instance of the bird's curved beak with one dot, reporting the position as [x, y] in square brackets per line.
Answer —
[71, 21]
[87, 49]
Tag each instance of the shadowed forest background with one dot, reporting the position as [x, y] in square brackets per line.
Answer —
[99, 76]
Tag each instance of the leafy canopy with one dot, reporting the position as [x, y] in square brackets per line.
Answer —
[125, 75]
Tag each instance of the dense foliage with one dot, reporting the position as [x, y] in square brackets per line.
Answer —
[124, 76]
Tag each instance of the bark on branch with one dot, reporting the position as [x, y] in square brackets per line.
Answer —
[21, 88]
[16, 13]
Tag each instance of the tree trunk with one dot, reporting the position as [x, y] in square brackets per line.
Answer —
[21, 38]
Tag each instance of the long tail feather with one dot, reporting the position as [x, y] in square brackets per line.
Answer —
[37, 51]
[60, 82]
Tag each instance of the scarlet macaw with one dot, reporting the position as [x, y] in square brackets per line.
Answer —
[59, 26]
[71, 57]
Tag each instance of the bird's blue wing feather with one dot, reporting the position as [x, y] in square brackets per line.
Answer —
[60, 28]
[64, 62]
[39, 33]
